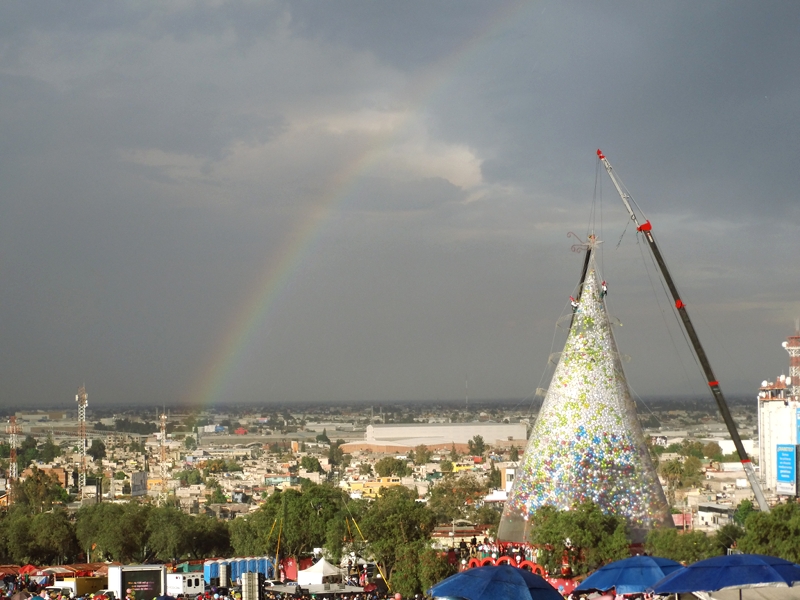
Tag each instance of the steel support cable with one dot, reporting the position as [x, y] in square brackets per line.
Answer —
[640, 399]
[736, 362]
[663, 317]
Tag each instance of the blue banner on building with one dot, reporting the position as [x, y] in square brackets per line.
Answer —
[797, 425]
[786, 465]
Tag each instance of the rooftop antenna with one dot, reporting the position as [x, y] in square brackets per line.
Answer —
[792, 346]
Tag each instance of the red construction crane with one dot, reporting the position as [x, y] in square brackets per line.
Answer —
[646, 229]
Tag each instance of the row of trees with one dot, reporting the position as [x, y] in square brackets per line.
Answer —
[589, 538]
[774, 534]
[395, 530]
[699, 450]
[129, 532]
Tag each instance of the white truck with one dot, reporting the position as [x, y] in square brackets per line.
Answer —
[185, 584]
[77, 586]
[145, 581]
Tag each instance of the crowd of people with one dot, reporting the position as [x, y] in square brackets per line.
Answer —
[491, 548]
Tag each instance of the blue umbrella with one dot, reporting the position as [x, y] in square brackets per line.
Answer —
[629, 576]
[502, 582]
[731, 571]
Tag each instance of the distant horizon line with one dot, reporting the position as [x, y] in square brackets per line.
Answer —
[454, 403]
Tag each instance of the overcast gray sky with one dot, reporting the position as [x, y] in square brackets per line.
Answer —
[234, 201]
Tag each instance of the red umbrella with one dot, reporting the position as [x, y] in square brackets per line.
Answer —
[28, 569]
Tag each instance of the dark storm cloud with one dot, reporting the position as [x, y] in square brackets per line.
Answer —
[161, 162]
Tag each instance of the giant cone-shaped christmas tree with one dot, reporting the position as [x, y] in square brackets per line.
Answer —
[587, 443]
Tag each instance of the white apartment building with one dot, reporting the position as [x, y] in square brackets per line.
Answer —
[779, 425]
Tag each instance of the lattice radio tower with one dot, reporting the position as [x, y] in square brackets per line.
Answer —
[792, 346]
[82, 398]
[13, 430]
[163, 457]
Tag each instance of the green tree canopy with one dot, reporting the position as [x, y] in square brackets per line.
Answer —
[688, 547]
[454, 456]
[114, 531]
[672, 471]
[206, 536]
[388, 466]
[587, 536]
[421, 455]
[97, 450]
[727, 536]
[214, 493]
[301, 517]
[167, 529]
[743, 511]
[311, 464]
[38, 491]
[336, 455]
[392, 521]
[476, 446]
[189, 477]
[27, 452]
[42, 539]
[456, 497]
[494, 480]
[418, 567]
[692, 472]
[49, 450]
[712, 450]
[774, 533]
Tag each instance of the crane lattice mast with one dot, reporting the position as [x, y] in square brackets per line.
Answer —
[646, 229]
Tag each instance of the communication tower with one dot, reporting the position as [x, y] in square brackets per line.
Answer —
[163, 456]
[13, 430]
[792, 346]
[82, 398]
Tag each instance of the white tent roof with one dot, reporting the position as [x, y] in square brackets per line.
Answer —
[323, 567]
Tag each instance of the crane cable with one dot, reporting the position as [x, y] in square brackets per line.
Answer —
[673, 311]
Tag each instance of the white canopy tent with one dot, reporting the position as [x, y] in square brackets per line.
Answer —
[318, 573]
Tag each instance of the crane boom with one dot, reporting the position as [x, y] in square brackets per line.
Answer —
[646, 229]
